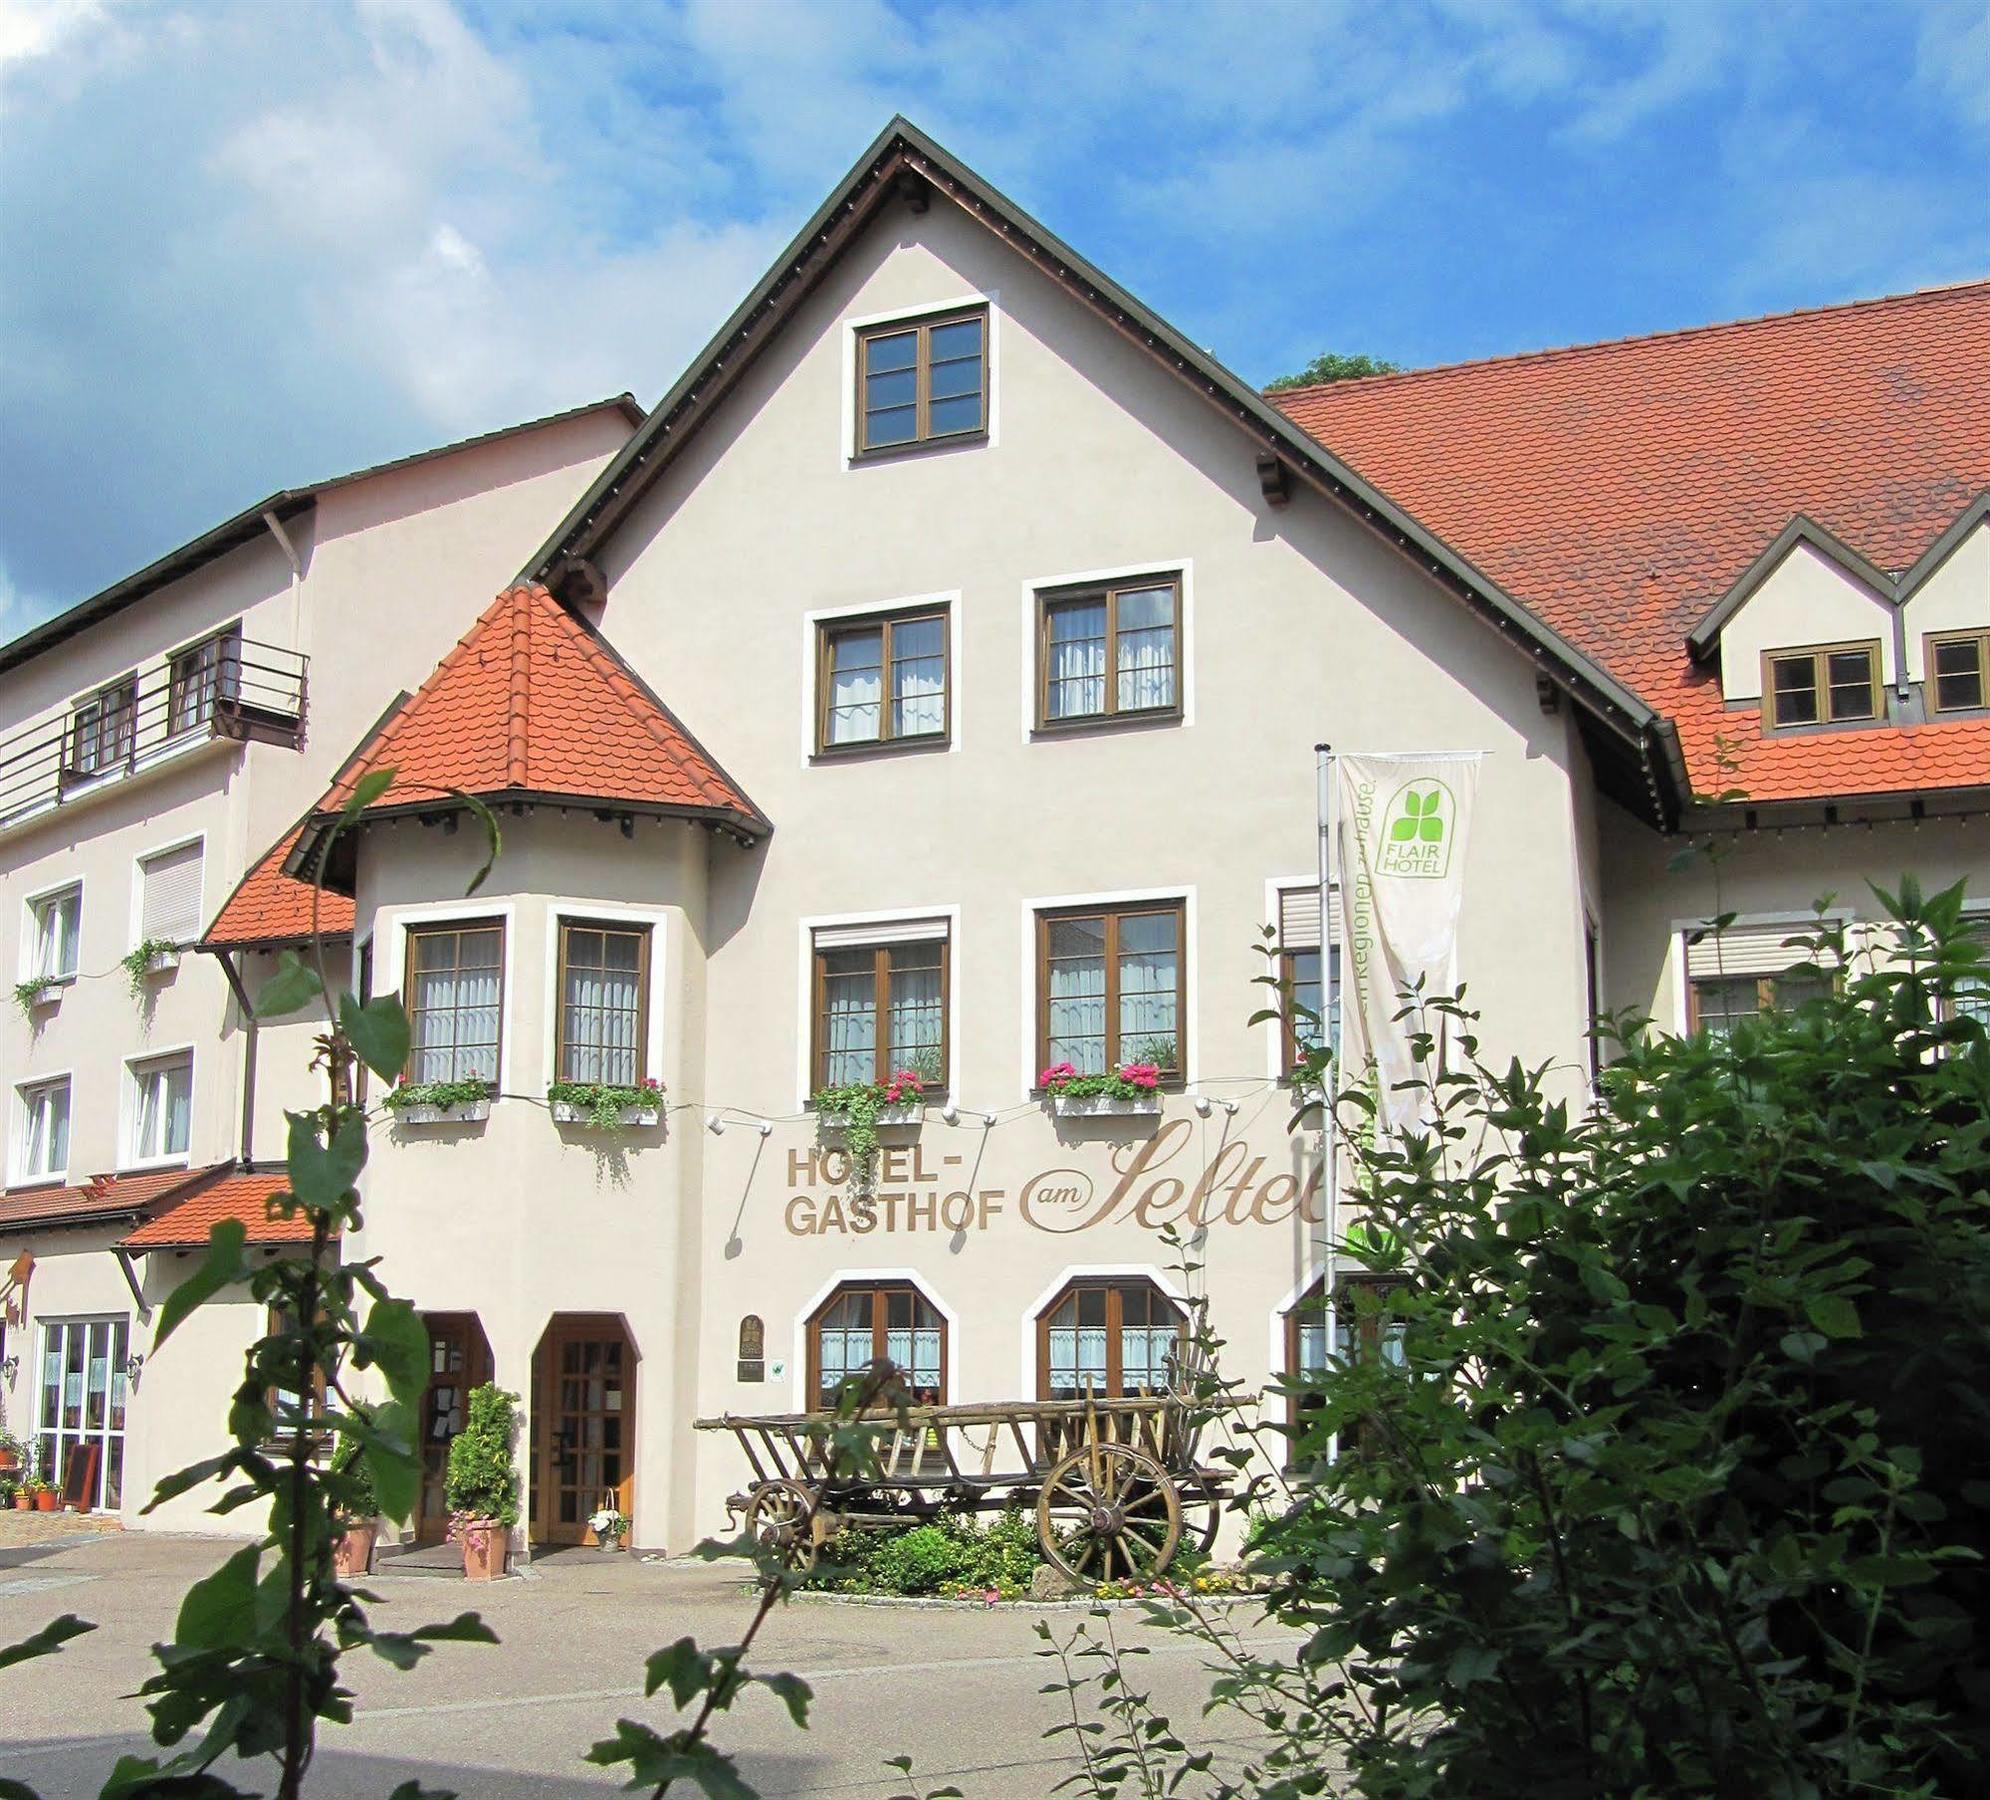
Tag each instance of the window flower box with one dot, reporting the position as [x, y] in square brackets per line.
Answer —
[1103, 1106]
[907, 1114]
[440, 1102]
[606, 1106]
[38, 995]
[1130, 1091]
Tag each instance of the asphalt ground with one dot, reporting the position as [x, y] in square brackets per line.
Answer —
[957, 1690]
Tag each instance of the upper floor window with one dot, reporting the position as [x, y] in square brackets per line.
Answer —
[1109, 652]
[604, 1003]
[881, 1003]
[41, 1131]
[1305, 1022]
[161, 1108]
[1111, 987]
[456, 995]
[922, 381]
[1108, 1338]
[1956, 671]
[101, 728]
[1832, 685]
[866, 1322]
[203, 674]
[55, 930]
[169, 895]
[882, 679]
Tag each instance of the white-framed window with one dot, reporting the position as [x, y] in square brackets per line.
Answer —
[1303, 964]
[41, 1131]
[80, 1401]
[878, 995]
[55, 929]
[160, 1120]
[168, 901]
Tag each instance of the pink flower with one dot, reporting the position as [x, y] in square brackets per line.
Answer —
[1056, 1076]
[1142, 1075]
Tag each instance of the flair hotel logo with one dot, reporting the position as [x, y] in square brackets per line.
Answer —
[1419, 831]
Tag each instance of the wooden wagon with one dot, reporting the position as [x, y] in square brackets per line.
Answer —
[1115, 1483]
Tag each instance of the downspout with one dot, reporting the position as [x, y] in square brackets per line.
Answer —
[250, 1030]
[282, 537]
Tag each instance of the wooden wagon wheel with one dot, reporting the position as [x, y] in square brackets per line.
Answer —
[1109, 1512]
[780, 1518]
[1202, 1513]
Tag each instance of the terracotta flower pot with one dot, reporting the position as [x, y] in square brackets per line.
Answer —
[48, 1500]
[486, 1546]
[352, 1549]
[24, 1502]
[10, 1460]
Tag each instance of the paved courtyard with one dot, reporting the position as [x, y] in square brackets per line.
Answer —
[957, 1690]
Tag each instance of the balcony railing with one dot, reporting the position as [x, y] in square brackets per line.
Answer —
[225, 688]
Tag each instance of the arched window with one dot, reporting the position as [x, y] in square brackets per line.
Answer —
[1363, 1327]
[752, 1349]
[863, 1321]
[1108, 1337]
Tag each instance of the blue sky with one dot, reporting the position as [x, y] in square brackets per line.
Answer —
[246, 246]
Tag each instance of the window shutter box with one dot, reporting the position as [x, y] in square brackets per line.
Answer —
[1750, 949]
[170, 907]
[864, 937]
[1299, 918]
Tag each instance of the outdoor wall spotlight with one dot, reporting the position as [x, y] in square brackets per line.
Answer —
[951, 1113]
[8, 1367]
[715, 1125]
[134, 1366]
[765, 1128]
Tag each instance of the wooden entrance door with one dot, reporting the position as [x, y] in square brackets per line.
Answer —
[459, 1359]
[583, 1428]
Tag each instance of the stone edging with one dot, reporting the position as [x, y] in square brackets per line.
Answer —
[946, 1603]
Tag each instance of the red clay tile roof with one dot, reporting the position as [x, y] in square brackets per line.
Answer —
[1618, 490]
[102, 1196]
[243, 1196]
[532, 702]
[270, 907]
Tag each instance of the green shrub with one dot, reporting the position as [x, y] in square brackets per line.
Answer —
[919, 1561]
[1678, 1486]
[954, 1552]
[352, 1495]
[483, 1479]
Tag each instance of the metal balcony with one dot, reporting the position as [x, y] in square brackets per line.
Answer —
[225, 688]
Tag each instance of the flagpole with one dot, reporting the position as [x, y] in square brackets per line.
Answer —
[1330, 1005]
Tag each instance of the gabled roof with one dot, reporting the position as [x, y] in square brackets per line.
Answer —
[101, 1198]
[904, 163]
[533, 706]
[1621, 489]
[242, 1195]
[283, 505]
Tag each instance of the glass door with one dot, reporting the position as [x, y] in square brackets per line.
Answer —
[83, 1401]
[584, 1430]
[458, 1360]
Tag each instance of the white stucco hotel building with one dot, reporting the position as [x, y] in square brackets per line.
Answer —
[933, 675]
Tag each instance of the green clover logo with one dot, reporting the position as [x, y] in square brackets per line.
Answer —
[1419, 819]
[1416, 839]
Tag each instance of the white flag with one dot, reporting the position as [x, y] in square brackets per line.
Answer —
[1400, 826]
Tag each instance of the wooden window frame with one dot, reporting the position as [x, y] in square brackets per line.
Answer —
[1819, 657]
[922, 377]
[1112, 912]
[125, 688]
[1765, 992]
[1085, 593]
[275, 1322]
[1114, 1287]
[416, 929]
[183, 669]
[827, 630]
[1288, 1037]
[639, 928]
[1934, 640]
[818, 1049]
[880, 1329]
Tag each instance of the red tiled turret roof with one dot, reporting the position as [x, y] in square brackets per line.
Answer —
[243, 1196]
[531, 702]
[1619, 490]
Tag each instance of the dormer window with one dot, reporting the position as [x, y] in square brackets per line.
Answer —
[1834, 684]
[1956, 671]
[922, 381]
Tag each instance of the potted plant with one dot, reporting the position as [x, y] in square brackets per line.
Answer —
[35, 993]
[605, 1105]
[9, 1487]
[355, 1512]
[46, 1498]
[13, 1453]
[440, 1102]
[1133, 1087]
[149, 957]
[855, 1110]
[609, 1527]
[482, 1483]
[24, 1498]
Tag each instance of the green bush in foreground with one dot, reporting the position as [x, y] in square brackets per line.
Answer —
[1680, 1487]
[954, 1554]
